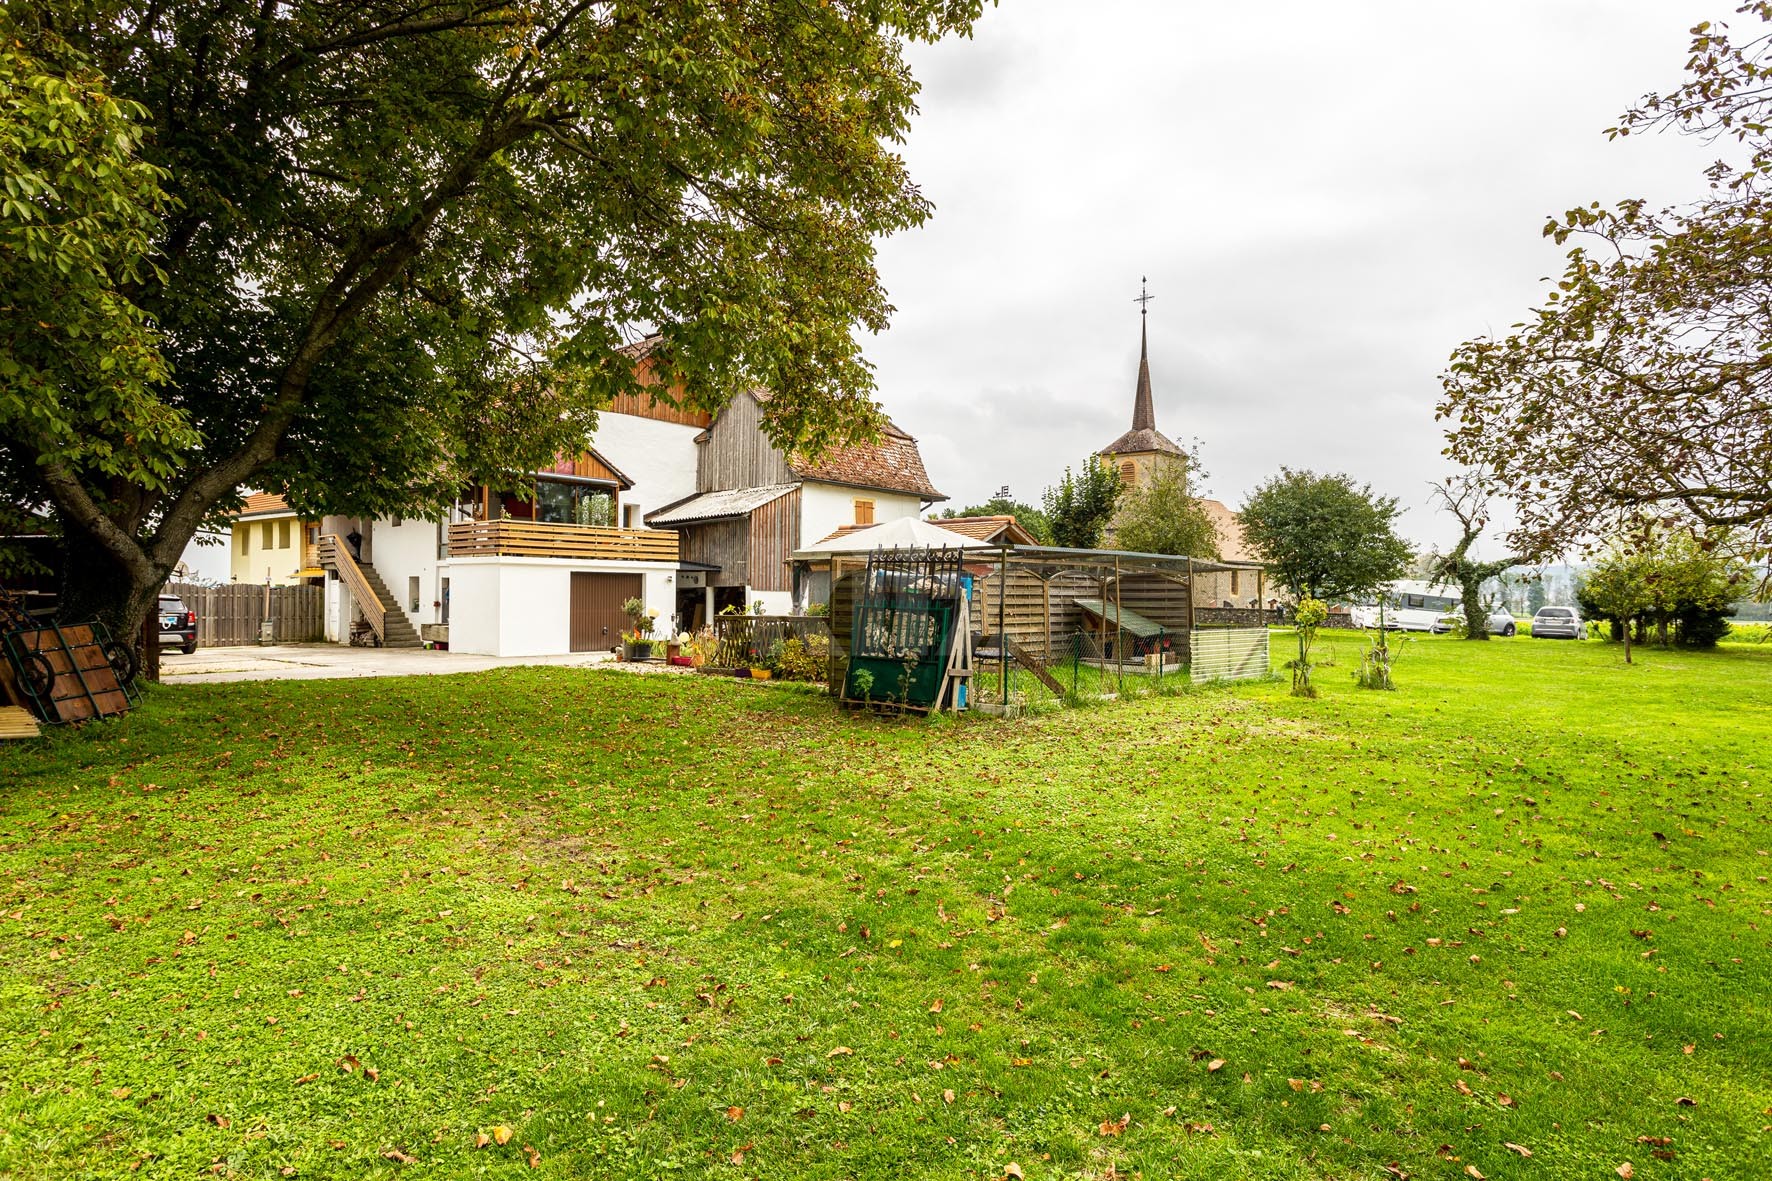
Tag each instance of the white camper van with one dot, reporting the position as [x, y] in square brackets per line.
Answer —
[1410, 606]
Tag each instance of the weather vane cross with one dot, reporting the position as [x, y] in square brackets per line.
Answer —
[1144, 296]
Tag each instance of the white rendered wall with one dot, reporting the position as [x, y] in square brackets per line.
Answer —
[209, 563]
[826, 508]
[523, 606]
[402, 551]
[659, 457]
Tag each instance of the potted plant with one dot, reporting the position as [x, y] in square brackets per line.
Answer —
[637, 642]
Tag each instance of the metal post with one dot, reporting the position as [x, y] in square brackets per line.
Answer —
[1119, 635]
[1002, 629]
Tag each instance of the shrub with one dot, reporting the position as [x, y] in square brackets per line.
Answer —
[801, 660]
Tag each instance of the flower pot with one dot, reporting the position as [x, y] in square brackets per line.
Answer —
[637, 649]
[761, 674]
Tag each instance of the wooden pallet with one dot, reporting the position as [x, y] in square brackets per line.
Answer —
[17, 722]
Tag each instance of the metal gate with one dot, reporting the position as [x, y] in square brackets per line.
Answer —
[596, 620]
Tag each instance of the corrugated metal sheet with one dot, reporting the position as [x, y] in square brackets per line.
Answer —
[1229, 654]
[717, 506]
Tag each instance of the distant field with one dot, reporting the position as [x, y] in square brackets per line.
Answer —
[1510, 921]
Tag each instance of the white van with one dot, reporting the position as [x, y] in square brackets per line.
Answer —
[1410, 606]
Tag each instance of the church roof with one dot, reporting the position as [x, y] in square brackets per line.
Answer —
[1144, 435]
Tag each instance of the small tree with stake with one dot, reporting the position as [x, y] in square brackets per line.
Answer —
[1308, 617]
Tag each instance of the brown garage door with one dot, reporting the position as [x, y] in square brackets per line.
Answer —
[597, 621]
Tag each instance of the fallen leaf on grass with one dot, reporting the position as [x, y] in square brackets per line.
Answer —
[1111, 1127]
[738, 1154]
[1214, 1066]
[936, 1007]
[1473, 1171]
[735, 1114]
[1014, 1170]
[1505, 1100]
[947, 1096]
[501, 1135]
[481, 1139]
[839, 1050]
[534, 1157]
[394, 1154]
[120, 1093]
[348, 1063]
[220, 1121]
[1626, 1171]
[305, 1079]
[1519, 1148]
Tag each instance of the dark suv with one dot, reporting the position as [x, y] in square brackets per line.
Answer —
[178, 624]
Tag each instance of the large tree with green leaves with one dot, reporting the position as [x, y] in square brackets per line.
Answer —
[1324, 537]
[1080, 506]
[401, 245]
[1164, 516]
[1643, 385]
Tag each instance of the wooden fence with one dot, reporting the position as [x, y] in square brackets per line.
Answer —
[231, 614]
[743, 640]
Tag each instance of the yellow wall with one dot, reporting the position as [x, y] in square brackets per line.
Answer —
[272, 544]
[1144, 466]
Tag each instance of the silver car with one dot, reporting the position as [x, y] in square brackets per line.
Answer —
[1501, 622]
[1557, 623]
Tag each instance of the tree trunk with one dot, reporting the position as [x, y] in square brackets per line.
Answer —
[97, 585]
[1476, 620]
[1627, 631]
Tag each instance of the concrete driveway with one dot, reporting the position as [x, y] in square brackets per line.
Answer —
[316, 662]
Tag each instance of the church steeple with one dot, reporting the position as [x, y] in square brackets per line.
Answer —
[1144, 412]
[1144, 438]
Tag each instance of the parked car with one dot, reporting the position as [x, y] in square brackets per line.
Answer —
[1501, 622]
[178, 624]
[1557, 623]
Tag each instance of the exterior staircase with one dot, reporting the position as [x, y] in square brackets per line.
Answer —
[396, 630]
[384, 616]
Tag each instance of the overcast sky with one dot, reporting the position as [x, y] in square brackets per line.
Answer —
[1327, 199]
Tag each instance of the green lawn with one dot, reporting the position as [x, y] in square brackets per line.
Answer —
[692, 927]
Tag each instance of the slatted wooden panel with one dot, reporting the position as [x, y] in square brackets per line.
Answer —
[723, 544]
[774, 534]
[85, 684]
[231, 614]
[539, 539]
[645, 406]
[1044, 616]
[737, 454]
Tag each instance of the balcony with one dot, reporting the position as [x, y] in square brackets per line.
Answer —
[517, 538]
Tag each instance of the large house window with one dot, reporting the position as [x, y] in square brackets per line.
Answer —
[564, 502]
[1128, 472]
[245, 536]
[283, 534]
[1236, 583]
[264, 538]
[864, 512]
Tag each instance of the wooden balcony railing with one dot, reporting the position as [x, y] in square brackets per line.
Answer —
[540, 539]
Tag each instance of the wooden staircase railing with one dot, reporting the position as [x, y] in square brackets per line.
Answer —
[336, 555]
